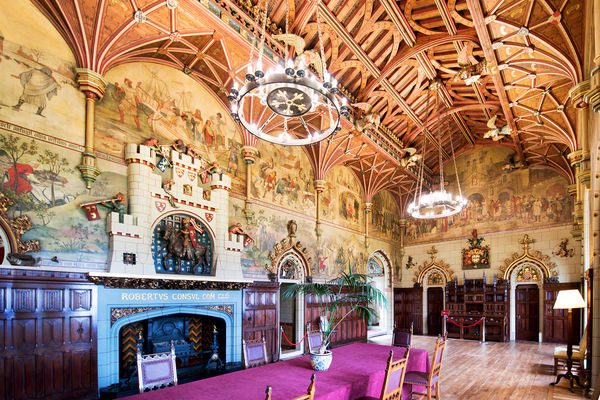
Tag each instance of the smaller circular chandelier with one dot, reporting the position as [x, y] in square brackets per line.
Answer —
[288, 105]
[436, 203]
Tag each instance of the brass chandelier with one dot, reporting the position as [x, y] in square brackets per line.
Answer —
[436, 203]
[288, 105]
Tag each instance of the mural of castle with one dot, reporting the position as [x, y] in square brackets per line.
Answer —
[499, 200]
[148, 100]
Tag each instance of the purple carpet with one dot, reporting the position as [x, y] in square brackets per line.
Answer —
[357, 370]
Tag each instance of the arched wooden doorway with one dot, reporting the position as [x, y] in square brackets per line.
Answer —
[290, 264]
[379, 271]
[526, 274]
[433, 276]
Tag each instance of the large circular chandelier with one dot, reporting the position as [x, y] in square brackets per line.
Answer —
[436, 203]
[287, 104]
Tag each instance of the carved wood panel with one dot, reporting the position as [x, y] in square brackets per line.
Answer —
[408, 308]
[352, 329]
[47, 336]
[555, 321]
[261, 301]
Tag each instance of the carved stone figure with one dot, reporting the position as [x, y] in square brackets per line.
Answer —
[180, 246]
[292, 227]
[561, 249]
[179, 146]
[24, 260]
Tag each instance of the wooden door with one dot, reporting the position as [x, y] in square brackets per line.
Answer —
[528, 312]
[555, 321]
[259, 319]
[435, 305]
[47, 336]
[408, 309]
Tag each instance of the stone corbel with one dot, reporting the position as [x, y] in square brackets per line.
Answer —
[92, 85]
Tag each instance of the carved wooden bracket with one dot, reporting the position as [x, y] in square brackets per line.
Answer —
[15, 228]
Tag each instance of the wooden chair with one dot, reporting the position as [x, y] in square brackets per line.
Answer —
[430, 378]
[254, 352]
[310, 392]
[314, 339]
[402, 337]
[578, 357]
[156, 371]
[394, 379]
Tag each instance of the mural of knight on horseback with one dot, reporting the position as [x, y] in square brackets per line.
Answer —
[182, 244]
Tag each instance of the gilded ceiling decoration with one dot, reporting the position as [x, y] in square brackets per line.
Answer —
[506, 66]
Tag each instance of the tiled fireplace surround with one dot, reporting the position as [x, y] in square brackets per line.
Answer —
[119, 307]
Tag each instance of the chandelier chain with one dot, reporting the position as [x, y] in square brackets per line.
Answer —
[439, 140]
[264, 32]
[454, 160]
[321, 45]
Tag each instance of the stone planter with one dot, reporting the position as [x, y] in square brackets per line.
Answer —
[321, 362]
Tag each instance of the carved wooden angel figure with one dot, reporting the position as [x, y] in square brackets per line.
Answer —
[369, 120]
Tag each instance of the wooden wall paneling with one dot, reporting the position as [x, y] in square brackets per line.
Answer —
[48, 341]
[352, 329]
[261, 302]
[555, 321]
[408, 308]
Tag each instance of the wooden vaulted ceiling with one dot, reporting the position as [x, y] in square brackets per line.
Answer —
[382, 52]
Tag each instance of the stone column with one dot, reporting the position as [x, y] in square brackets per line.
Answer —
[368, 207]
[92, 85]
[249, 155]
[319, 188]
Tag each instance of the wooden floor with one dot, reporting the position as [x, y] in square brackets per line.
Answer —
[515, 370]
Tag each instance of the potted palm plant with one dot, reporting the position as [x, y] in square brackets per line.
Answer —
[338, 299]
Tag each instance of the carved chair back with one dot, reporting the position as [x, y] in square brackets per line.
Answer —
[254, 352]
[394, 377]
[310, 392]
[156, 371]
[402, 337]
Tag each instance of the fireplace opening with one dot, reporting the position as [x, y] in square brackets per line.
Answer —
[196, 338]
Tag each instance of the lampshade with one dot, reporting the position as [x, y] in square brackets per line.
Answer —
[569, 299]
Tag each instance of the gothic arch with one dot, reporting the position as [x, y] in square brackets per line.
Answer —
[433, 264]
[386, 263]
[425, 274]
[527, 268]
[289, 250]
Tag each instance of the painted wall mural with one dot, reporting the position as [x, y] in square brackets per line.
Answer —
[283, 176]
[145, 100]
[44, 184]
[498, 200]
[384, 221]
[39, 92]
[341, 201]
[336, 249]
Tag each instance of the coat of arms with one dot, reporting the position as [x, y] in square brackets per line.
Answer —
[477, 255]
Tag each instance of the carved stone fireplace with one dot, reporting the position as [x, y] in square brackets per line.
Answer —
[123, 308]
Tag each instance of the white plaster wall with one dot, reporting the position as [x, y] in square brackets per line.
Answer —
[502, 246]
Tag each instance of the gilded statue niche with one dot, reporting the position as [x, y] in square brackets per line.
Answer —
[440, 266]
[547, 267]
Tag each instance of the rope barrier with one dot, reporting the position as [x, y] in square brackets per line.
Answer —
[288, 340]
[464, 326]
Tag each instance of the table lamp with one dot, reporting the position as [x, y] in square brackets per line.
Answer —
[568, 300]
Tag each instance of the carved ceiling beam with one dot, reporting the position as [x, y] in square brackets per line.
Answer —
[400, 21]
[421, 46]
[372, 68]
[488, 51]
